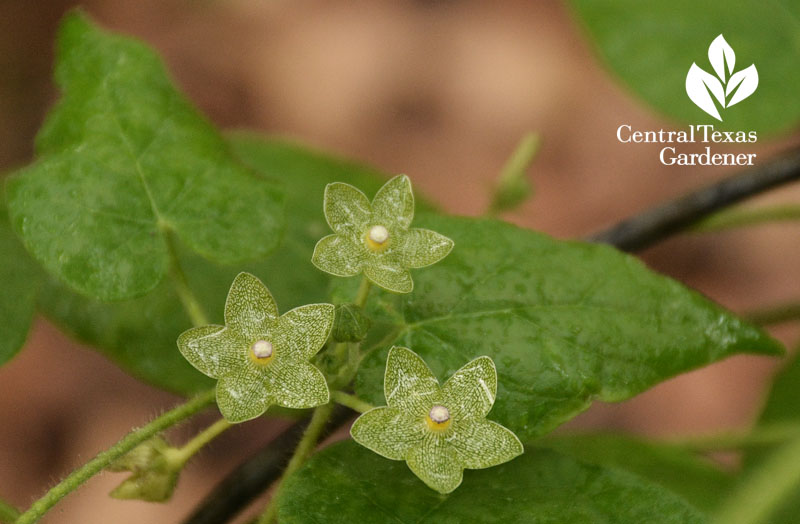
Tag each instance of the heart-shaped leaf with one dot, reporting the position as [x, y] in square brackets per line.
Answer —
[139, 334]
[123, 162]
[566, 323]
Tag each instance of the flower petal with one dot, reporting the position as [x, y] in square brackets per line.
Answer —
[347, 209]
[394, 203]
[300, 333]
[436, 464]
[249, 308]
[388, 274]
[297, 385]
[483, 443]
[409, 384]
[423, 247]
[389, 432]
[213, 350]
[242, 396]
[470, 392]
[339, 255]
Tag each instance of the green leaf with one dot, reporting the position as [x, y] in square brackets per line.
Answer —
[139, 334]
[781, 408]
[782, 401]
[652, 45]
[513, 188]
[566, 323]
[346, 483]
[123, 160]
[20, 280]
[697, 479]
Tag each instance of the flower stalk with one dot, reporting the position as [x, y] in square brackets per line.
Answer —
[304, 449]
[351, 401]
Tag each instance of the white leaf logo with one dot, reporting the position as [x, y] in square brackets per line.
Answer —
[728, 88]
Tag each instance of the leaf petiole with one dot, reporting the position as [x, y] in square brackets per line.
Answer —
[188, 299]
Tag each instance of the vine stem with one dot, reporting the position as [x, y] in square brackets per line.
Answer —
[351, 401]
[775, 314]
[758, 496]
[658, 223]
[760, 436]
[301, 453]
[8, 513]
[181, 456]
[75, 479]
[363, 292]
[190, 302]
[736, 218]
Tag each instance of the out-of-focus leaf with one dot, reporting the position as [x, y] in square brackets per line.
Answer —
[652, 45]
[781, 408]
[19, 281]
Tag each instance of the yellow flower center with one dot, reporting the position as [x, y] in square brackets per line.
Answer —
[438, 418]
[261, 352]
[377, 238]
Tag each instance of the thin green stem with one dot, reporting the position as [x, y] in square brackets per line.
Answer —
[8, 513]
[190, 302]
[104, 458]
[759, 436]
[363, 292]
[775, 315]
[351, 401]
[512, 187]
[737, 218]
[761, 494]
[181, 456]
[304, 449]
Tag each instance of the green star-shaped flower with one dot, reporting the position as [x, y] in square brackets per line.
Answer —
[375, 238]
[438, 430]
[260, 358]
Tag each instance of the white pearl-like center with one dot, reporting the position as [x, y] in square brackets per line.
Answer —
[262, 349]
[439, 414]
[378, 234]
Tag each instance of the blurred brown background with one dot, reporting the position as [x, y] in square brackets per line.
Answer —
[440, 90]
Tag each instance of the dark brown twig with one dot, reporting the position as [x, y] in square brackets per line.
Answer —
[255, 474]
[656, 224]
